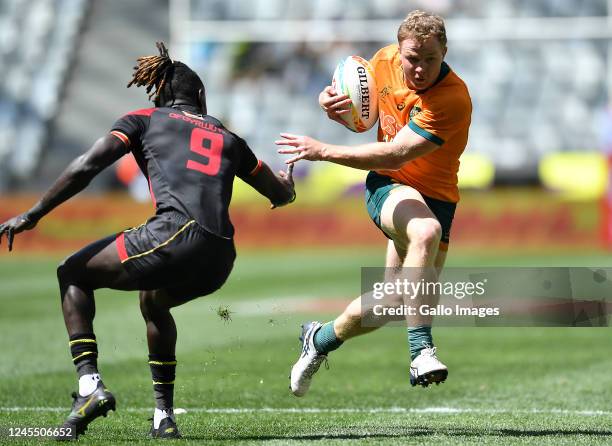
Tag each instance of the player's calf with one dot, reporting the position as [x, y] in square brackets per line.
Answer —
[161, 336]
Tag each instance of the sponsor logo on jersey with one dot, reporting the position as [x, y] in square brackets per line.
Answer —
[415, 111]
[197, 122]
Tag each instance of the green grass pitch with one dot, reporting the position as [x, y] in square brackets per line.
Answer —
[506, 386]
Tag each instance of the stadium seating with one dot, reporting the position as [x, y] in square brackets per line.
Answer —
[531, 97]
[36, 42]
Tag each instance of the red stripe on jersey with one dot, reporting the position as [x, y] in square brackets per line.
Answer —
[122, 136]
[152, 194]
[120, 241]
[257, 168]
[142, 112]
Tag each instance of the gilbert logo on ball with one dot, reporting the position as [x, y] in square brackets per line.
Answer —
[354, 77]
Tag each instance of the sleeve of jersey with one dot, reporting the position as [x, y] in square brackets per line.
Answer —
[440, 119]
[129, 129]
[379, 59]
[375, 58]
[249, 164]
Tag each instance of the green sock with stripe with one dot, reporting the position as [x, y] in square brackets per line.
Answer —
[325, 339]
[419, 338]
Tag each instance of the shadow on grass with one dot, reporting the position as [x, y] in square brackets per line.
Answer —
[393, 433]
[403, 432]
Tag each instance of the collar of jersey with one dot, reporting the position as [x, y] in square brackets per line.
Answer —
[444, 70]
[187, 108]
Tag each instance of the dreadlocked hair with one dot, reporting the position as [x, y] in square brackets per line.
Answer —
[153, 71]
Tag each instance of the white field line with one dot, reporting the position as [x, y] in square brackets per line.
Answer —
[314, 410]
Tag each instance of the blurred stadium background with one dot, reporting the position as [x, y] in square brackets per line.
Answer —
[539, 72]
[535, 192]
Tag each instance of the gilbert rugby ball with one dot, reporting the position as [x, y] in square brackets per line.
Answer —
[354, 77]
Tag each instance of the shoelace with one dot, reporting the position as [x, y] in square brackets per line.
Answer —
[428, 350]
[315, 364]
[305, 348]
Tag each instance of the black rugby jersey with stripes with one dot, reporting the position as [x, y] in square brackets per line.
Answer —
[190, 161]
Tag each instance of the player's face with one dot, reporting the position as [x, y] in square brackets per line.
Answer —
[421, 62]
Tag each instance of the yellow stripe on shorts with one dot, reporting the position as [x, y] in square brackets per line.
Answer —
[185, 226]
[135, 227]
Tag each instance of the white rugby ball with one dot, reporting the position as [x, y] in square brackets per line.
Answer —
[354, 77]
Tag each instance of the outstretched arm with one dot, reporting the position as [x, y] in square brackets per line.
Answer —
[278, 189]
[74, 179]
[406, 146]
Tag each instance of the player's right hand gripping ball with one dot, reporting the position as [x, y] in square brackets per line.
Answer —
[354, 77]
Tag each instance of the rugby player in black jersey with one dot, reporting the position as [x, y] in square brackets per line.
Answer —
[184, 251]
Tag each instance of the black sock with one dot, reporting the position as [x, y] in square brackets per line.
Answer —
[163, 372]
[84, 351]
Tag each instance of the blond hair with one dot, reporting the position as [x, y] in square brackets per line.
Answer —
[421, 25]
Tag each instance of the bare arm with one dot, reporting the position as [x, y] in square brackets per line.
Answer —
[278, 189]
[406, 146]
[73, 179]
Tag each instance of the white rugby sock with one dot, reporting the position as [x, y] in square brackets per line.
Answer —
[160, 415]
[88, 383]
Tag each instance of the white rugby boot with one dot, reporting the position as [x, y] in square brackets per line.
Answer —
[427, 369]
[309, 361]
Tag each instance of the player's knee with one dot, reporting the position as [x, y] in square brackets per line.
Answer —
[425, 232]
[147, 306]
[150, 305]
[66, 270]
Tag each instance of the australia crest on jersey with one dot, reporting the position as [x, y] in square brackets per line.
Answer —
[384, 92]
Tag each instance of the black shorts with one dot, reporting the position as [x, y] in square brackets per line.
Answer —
[378, 188]
[172, 252]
